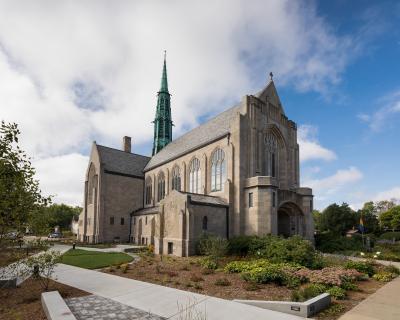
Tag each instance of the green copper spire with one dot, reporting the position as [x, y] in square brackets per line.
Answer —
[163, 122]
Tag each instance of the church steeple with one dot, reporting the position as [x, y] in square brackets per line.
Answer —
[163, 121]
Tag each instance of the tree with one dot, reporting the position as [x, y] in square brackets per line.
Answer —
[338, 219]
[390, 219]
[19, 190]
[384, 206]
[317, 216]
[54, 215]
[368, 214]
[41, 266]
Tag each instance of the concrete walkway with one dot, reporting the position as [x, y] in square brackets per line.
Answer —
[159, 300]
[384, 304]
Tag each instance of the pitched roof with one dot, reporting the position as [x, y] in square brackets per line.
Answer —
[122, 162]
[206, 199]
[213, 129]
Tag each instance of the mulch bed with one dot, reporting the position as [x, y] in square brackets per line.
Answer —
[23, 303]
[187, 274]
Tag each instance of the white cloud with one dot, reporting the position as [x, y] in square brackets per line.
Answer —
[310, 148]
[329, 185]
[71, 72]
[63, 177]
[390, 194]
[389, 107]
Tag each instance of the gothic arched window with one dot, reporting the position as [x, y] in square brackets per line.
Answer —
[205, 223]
[149, 190]
[161, 186]
[194, 176]
[92, 184]
[218, 170]
[176, 179]
[271, 155]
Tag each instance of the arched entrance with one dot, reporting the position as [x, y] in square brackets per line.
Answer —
[290, 220]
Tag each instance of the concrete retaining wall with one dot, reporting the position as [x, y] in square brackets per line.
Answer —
[55, 307]
[303, 309]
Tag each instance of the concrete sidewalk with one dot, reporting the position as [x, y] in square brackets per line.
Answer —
[163, 301]
[384, 304]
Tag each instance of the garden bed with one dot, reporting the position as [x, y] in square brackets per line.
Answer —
[188, 274]
[23, 303]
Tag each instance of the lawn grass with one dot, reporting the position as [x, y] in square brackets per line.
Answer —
[94, 259]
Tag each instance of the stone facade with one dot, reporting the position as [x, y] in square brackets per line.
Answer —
[237, 174]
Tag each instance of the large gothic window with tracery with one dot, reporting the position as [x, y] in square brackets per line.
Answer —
[149, 190]
[176, 179]
[271, 157]
[161, 186]
[194, 176]
[218, 170]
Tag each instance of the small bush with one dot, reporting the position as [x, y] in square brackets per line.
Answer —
[240, 246]
[308, 292]
[124, 267]
[213, 246]
[337, 292]
[384, 276]
[209, 263]
[360, 266]
[390, 236]
[346, 285]
[224, 282]
[392, 269]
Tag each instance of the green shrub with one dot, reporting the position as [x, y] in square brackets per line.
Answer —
[224, 282]
[210, 245]
[348, 285]
[245, 266]
[337, 292]
[392, 269]
[308, 292]
[294, 249]
[384, 276]
[330, 242]
[209, 263]
[240, 245]
[390, 236]
[361, 266]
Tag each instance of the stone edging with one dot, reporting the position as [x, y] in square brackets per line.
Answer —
[55, 307]
[303, 309]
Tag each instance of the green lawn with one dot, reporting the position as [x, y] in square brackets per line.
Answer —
[94, 259]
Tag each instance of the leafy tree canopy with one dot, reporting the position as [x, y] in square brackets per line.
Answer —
[338, 219]
[20, 195]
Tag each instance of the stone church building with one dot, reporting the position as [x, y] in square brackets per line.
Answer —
[236, 174]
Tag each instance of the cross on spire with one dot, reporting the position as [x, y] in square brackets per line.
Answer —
[271, 75]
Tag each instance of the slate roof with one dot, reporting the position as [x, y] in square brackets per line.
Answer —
[208, 199]
[122, 162]
[213, 129]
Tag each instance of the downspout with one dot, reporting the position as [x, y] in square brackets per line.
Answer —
[130, 227]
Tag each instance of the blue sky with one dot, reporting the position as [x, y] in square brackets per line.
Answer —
[72, 73]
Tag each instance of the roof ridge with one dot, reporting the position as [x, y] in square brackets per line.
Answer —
[131, 153]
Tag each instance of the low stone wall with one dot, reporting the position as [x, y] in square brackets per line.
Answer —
[55, 307]
[304, 309]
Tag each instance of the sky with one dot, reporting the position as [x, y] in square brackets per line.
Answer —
[73, 72]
